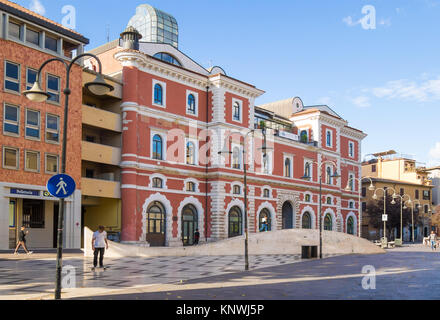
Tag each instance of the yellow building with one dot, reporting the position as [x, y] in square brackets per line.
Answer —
[101, 156]
[388, 170]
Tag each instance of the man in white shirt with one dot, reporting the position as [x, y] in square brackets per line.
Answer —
[99, 244]
[433, 238]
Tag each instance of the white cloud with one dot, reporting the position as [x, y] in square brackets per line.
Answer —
[385, 22]
[426, 90]
[349, 21]
[37, 7]
[361, 102]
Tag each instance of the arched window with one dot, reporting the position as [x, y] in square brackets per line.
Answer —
[158, 94]
[304, 136]
[328, 177]
[264, 218]
[236, 112]
[350, 225]
[191, 104]
[307, 172]
[266, 193]
[351, 204]
[190, 186]
[167, 58]
[190, 153]
[328, 224]
[235, 222]
[236, 158]
[307, 198]
[157, 147]
[306, 221]
[287, 168]
[189, 224]
[236, 189]
[157, 183]
[156, 218]
[329, 200]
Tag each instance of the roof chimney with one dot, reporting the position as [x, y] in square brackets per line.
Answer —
[130, 38]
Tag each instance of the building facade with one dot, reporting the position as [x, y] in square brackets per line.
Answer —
[187, 132]
[400, 174]
[31, 133]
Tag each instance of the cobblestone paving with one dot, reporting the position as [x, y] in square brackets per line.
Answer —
[33, 275]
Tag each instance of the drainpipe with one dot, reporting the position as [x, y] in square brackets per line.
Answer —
[207, 165]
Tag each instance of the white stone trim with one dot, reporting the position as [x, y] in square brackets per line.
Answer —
[196, 184]
[334, 220]
[161, 176]
[164, 137]
[196, 97]
[200, 216]
[233, 203]
[237, 183]
[273, 216]
[168, 217]
[312, 213]
[240, 102]
[164, 94]
[355, 227]
[270, 191]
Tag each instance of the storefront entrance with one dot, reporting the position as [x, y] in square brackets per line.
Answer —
[189, 224]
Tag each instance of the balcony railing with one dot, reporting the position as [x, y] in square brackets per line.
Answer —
[100, 153]
[100, 188]
[101, 118]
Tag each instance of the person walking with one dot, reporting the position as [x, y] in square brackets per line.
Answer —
[433, 238]
[22, 241]
[196, 237]
[99, 245]
[263, 224]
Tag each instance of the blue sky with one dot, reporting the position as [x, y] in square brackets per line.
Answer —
[384, 81]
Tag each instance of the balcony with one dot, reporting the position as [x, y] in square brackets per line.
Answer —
[100, 188]
[100, 153]
[101, 119]
[294, 137]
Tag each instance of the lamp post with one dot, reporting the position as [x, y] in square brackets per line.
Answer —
[384, 207]
[36, 94]
[227, 151]
[307, 177]
[401, 213]
[349, 189]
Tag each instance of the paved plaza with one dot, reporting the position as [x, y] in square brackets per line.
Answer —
[411, 272]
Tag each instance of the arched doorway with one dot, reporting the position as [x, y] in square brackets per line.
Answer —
[306, 222]
[235, 222]
[287, 215]
[328, 223]
[264, 214]
[189, 224]
[350, 225]
[156, 224]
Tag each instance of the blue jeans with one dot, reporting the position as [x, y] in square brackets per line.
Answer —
[432, 244]
[263, 227]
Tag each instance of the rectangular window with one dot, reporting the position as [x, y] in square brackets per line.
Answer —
[364, 192]
[417, 194]
[33, 214]
[14, 30]
[10, 158]
[51, 163]
[364, 206]
[373, 168]
[32, 129]
[32, 161]
[33, 37]
[31, 77]
[51, 43]
[351, 149]
[11, 119]
[52, 128]
[12, 76]
[53, 88]
[426, 195]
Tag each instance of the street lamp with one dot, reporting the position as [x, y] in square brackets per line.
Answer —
[307, 177]
[402, 203]
[227, 151]
[36, 94]
[349, 189]
[384, 207]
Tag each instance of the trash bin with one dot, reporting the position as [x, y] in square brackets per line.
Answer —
[309, 252]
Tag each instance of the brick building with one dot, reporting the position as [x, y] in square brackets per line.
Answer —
[31, 133]
[178, 117]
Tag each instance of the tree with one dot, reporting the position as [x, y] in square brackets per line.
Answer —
[375, 212]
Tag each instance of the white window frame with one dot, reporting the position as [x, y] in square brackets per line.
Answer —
[53, 91]
[27, 78]
[38, 127]
[309, 161]
[45, 163]
[196, 97]
[326, 174]
[164, 94]
[196, 185]
[240, 103]
[331, 138]
[164, 181]
[240, 155]
[352, 180]
[25, 161]
[196, 154]
[291, 166]
[18, 81]
[269, 163]
[15, 123]
[351, 143]
[266, 188]
[239, 184]
[48, 130]
[164, 145]
[17, 158]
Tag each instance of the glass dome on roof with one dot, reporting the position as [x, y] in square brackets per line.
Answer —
[155, 25]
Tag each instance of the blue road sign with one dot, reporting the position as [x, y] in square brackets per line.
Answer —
[61, 186]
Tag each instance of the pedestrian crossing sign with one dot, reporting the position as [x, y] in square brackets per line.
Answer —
[61, 186]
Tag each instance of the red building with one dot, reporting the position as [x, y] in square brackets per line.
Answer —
[178, 118]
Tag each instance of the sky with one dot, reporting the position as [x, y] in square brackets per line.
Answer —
[382, 77]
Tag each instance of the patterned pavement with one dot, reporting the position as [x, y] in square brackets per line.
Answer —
[32, 276]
